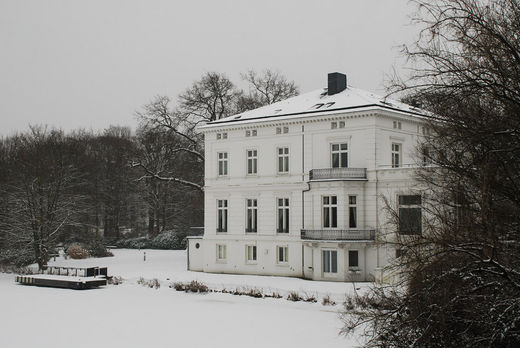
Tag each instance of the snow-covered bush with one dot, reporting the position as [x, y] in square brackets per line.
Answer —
[294, 296]
[152, 283]
[75, 251]
[171, 240]
[326, 301]
[134, 243]
[309, 298]
[97, 249]
[168, 240]
[254, 292]
[179, 286]
[115, 280]
[193, 286]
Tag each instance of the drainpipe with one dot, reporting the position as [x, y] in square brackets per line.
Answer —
[303, 178]
[377, 198]
[303, 202]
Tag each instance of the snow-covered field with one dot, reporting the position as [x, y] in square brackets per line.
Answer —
[130, 315]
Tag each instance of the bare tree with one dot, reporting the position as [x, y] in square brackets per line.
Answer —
[40, 193]
[212, 97]
[461, 279]
[269, 88]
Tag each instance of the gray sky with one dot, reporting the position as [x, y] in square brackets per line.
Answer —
[93, 63]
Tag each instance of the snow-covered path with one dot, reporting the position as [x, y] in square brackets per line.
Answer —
[130, 315]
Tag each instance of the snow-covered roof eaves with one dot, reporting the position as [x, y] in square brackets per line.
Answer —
[319, 103]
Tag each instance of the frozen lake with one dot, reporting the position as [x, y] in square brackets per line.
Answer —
[130, 315]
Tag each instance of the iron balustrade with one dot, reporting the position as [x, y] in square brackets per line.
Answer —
[338, 174]
[338, 234]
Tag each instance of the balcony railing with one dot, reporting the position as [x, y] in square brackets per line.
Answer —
[338, 174]
[338, 234]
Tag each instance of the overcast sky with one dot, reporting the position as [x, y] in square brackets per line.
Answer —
[90, 64]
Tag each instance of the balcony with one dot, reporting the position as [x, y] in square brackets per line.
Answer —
[338, 234]
[338, 174]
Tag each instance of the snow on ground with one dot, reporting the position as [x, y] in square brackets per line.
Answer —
[130, 315]
[170, 265]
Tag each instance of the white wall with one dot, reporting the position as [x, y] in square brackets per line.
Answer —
[369, 137]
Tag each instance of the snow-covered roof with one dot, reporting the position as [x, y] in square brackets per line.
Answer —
[318, 103]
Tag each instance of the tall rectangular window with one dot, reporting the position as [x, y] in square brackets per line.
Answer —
[410, 215]
[352, 211]
[283, 215]
[339, 155]
[426, 156]
[251, 253]
[396, 155]
[222, 163]
[330, 211]
[282, 254]
[283, 160]
[221, 252]
[353, 258]
[252, 162]
[222, 215]
[330, 261]
[252, 214]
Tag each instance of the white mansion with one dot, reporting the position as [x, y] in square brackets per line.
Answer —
[294, 188]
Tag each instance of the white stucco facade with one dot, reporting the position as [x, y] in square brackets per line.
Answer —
[317, 190]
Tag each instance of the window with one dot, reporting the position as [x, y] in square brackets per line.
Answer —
[410, 215]
[221, 136]
[333, 125]
[283, 160]
[330, 261]
[353, 258]
[248, 133]
[352, 211]
[252, 214]
[282, 254]
[254, 132]
[283, 215]
[279, 130]
[426, 156]
[222, 207]
[396, 155]
[252, 162]
[339, 155]
[221, 252]
[330, 211]
[222, 163]
[397, 124]
[341, 124]
[251, 253]
[224, 135]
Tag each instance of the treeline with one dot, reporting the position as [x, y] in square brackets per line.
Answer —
[57, 187]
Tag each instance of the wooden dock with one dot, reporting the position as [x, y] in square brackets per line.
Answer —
[67, 277]
[78, 283]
